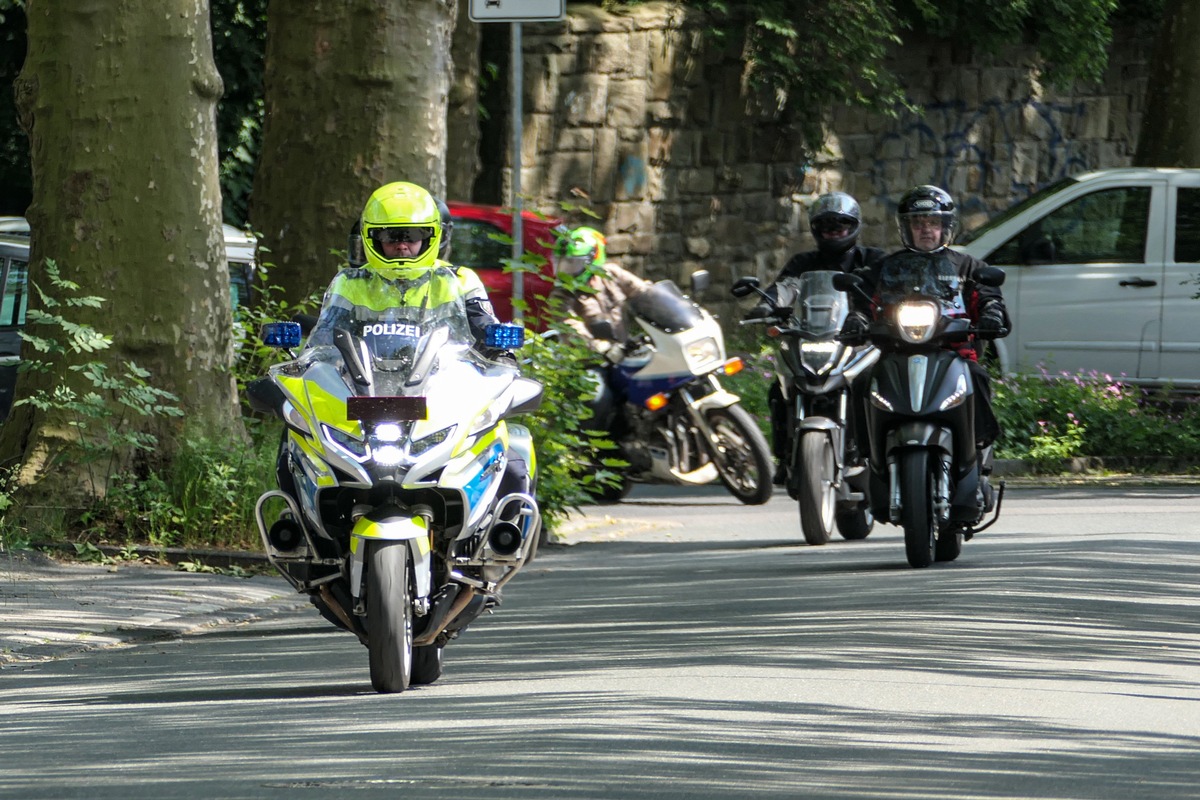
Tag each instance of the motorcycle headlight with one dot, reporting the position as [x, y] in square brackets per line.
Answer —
[818, 356]
[389, 455]
[703, 352]
[916, 321]
[425, 442]
[355, 448]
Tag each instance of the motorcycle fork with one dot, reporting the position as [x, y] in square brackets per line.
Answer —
[837, 436]
[941, 488]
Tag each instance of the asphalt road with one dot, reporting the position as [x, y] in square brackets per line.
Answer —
[684, 646]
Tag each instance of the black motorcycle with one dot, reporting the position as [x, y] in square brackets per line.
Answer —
[926, 473]
[823, 472]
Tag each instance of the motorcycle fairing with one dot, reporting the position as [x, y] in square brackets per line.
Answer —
[684, 338]
[923, 384]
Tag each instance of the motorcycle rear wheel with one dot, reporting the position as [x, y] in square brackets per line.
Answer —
[389, 617]
[949, 545]
[817, 495]
[741, 455]
[917, 487]
[426, 664]
[855, 525]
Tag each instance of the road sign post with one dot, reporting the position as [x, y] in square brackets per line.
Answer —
[515, 12]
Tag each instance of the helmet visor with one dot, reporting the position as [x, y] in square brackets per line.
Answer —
[573, 265]
[399, 235]
[925, 231]
[834, 226]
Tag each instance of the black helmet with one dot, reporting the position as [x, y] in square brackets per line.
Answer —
[447, 229]
[926, 202]
[835, 212]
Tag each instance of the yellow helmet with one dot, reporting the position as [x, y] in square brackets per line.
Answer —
[401, 212]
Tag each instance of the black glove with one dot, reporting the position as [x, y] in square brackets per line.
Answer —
[505, 357]
[991, 324]
[760, 311]
[854, 329]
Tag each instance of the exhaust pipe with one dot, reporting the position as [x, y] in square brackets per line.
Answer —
[285, 536]
[504, 538]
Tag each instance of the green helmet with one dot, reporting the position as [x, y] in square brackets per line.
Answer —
[582, 250]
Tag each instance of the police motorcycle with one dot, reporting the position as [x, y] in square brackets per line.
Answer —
[665, 407]
[399, 512]
[815, 375]
[926, 473]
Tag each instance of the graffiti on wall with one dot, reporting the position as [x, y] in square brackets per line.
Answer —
[1000, 149]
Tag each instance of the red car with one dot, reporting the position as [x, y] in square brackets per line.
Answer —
[472, 246]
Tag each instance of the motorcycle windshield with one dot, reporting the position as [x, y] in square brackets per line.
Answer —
[404, 342]
[910, 274]
[818, 309]
[665, 307]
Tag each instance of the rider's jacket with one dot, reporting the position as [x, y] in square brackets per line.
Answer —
[602, 299]
[854, 258]
[979, 299]
[359, 294]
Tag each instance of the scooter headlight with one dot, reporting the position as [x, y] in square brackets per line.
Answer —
[916, 321]
[702, 352]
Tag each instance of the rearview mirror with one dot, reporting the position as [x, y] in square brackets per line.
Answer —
[743, 286]
[991, 276]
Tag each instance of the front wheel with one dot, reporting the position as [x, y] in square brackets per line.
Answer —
[741, 455]
[389, 616]
[817, 494]
[917, 489]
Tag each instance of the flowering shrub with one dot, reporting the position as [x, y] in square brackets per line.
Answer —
[1056, 416]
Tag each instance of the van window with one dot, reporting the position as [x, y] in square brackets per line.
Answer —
[473, 247]
[1108, 226]
[1187, 225]
[12, 311]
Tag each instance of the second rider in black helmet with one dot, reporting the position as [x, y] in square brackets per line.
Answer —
[835, 221]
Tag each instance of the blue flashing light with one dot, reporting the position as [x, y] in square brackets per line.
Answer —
[281, 334]
[505, 336]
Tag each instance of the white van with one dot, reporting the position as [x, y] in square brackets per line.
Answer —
[14, 265]
[1102, 271]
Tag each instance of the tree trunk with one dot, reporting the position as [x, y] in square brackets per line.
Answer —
[1169, 135]
[119, 100]
[355, 94]
[462, 114]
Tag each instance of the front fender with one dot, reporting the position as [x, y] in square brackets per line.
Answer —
[720, 398]
[387, 524]
[920, 434]
[819, 424]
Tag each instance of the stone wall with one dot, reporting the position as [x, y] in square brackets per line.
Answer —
[630, 116]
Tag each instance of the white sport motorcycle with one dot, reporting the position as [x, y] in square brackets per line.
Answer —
[672, 420]
[404, 505]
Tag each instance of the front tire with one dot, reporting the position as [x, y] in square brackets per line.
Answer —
[817, 494]
[389, 616]
[917, 488]
[741, 455]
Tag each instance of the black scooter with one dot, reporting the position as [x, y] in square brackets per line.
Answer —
[926, 473]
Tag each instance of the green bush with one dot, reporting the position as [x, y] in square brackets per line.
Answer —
[761, 370]
[1049, 417]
